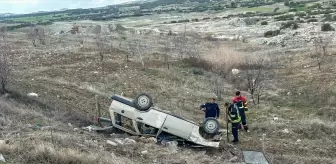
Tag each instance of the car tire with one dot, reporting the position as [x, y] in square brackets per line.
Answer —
[211, 126]
[143, 101]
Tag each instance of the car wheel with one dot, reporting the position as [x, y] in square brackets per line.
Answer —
[211, 126]
[143, 101]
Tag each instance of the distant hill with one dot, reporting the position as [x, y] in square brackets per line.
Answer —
[6, 14]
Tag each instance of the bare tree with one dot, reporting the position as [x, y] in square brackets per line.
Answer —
[321, 45]
[32, 35]
[255, 76]
[4, 62]
[100, 43]
[187, 46]
[138, 49]
[74, 29]
[41, 35]
[3, 32]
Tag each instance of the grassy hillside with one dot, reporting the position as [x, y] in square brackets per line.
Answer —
[69, 70]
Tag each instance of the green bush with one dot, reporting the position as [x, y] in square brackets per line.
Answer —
[284, 17]
[312, 20]
[276, 9]
[291, 24]
[271, 33]
[327, 27]
[328, 17]
[264, 23]
[301, 14]
[293, 10]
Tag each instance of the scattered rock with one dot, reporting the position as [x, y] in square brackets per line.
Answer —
[172, 145]
[2, 142]
[147, 140]
[2, 158]
[285, 131]
[111, 143]
[152, 139]
[89, 128]
[69, 124]
[144, 152]
[46, 127]
[234, 159]
[275, 118]
[35, 95]
[235, 71]
[129, 141]
[298, 140]
[75, 129]
[119, 141]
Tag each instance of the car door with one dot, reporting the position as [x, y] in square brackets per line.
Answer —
[153, 118]
[178, 127]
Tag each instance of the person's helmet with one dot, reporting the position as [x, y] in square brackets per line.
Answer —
[237, 93]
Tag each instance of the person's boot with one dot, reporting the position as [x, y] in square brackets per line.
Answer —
[234, 141]
[246, 128]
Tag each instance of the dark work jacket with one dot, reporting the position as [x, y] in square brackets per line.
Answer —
[211, 109]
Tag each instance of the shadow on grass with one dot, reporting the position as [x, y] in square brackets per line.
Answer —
[71, 116]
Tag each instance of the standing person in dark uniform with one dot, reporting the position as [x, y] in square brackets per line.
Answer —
[234, 118]
[211, 109]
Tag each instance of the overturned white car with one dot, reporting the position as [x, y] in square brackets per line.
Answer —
[139, 117]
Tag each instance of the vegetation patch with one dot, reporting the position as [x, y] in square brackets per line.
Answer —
[271, 33]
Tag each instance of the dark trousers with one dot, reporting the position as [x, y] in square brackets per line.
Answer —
[235, 131]
[243, 118]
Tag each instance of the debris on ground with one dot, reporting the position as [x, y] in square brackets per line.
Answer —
[88, 128]
[275, 118]
[144, 152]
[148, 140]
[234, 159]
[254, 157]
[119, 141]
[285, 131]
[172, 145]
[2, 158]
[129, 141]
[46, 127]
[35, 95]
[111, 143]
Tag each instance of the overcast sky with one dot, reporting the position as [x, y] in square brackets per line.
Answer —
[28, 6]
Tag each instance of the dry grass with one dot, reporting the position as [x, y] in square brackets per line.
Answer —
[67, 80]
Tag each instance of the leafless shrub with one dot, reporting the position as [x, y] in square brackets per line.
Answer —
[36, 33]
[255, 75]
[187, 46]
[74, 29]
[97, 30]
[138, 49]
[32, 36]
[4, 62]
[3, 32]
[321, 45]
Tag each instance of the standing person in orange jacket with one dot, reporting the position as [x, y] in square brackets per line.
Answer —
[242, 104]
